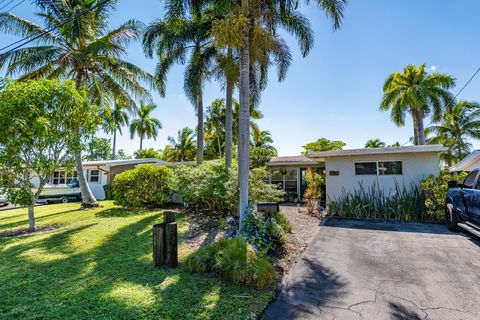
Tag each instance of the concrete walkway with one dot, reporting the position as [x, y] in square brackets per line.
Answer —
[383, 270]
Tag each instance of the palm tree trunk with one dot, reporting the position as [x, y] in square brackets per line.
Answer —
[421, 129]
[114, 145]
[415, 127]
[229, 120]
[244, 122]
[200, 132]
[141, 142]
[88, 199]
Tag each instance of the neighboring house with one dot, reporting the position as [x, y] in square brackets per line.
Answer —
[347, 170]
[469, 163]
[98, 173]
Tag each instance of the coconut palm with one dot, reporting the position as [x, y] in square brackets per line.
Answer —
[182, 149]
[114, 120]
[460, 123]
[262, 139]
[75, 43]
[374, 143]
[185, 40]
[416, 92]
[145, 126]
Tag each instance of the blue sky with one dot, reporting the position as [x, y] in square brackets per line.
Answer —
[335, 91]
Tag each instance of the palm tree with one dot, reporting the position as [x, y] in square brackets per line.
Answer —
[374, 143]
[145, 126]
[183, 149]
[114, 120]
[262, 139]
[460, 123]
[79, 48]
[172, 40]
[416, 92]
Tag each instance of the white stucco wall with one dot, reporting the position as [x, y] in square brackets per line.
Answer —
[97, 187]
[415, 167]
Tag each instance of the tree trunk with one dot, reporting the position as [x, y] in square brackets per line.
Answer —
[244, 122]
[114, 145]
[88, 199]
[415, 127]
[31, 217]
[141, 142]
[420, 129]
[200, 130]
[228, 124]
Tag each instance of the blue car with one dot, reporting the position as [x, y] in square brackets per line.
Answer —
[462, 205]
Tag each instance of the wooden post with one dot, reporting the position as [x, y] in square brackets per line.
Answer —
[168, 216]
[159, 245]
[171, 245]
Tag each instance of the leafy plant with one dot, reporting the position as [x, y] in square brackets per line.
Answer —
[146, 186]
[233, 259]
[312, 193]
[435, 189]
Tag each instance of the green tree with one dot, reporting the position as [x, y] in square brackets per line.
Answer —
[82, 49]
[323, 144]
[262, 139]
[98, 149]
[149, 153]
[145, 126]
[122, 156]
[115, 118]
[182, 149]
[173, 40]
[460, 123]
[374, 143]
[259, 156]
[416, 92]
[41, 122]
[395, 145]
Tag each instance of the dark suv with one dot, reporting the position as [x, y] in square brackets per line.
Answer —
[462, 205]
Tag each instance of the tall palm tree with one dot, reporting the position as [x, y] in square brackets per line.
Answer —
[145, 126]
[262, 139]
[416, 92]
[460, 123]
[183, 149]
[114, 120]
[75, 43]
[173, 40]
[374, 143]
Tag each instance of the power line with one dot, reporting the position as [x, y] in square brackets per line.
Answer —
[22, 1]
[33, 38]
[7, 4]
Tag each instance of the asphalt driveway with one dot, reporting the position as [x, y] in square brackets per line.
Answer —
[383, 270]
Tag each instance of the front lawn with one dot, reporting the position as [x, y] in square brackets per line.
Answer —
[97, 265]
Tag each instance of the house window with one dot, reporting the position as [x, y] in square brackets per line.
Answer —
[365, 168]
[94, 175]
[62, 177]
[380, 168]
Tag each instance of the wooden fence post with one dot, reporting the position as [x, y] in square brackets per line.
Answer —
[159, 244]
[168, 216]
[171, 244]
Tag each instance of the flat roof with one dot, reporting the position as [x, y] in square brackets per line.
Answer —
[435, 148]
[113, 163]
[291, 160]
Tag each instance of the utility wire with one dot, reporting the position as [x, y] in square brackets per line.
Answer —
[7, 4]
[33, 38]
[22, 1]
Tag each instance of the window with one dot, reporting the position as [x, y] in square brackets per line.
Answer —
[470, 179]
[365, 168]
[62, 177]
[390, 167]
[94, 175]
[379, 168]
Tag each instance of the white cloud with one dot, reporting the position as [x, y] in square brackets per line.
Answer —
[433, 68]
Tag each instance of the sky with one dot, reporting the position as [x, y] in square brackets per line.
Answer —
[334, 92]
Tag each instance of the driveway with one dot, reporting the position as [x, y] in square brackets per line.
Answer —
[383, 270]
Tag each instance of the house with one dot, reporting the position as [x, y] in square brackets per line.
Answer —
[347, 170]
[98, 174]
[467, 164]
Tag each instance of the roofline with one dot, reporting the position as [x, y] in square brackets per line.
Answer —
[465, 162]
[113, 163]
[373, 151]
[286, 163]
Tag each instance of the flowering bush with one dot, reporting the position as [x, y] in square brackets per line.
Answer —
[264, 232]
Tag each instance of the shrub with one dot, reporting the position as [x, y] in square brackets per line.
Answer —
[209, 187]
[435, 189]
[265, 232]
[402, 203]
[145, 186]
[234, 260]
[312, 194]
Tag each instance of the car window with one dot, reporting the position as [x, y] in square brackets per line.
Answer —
[470, 179]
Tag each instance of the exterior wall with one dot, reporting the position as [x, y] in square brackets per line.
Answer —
[97, 187]
[415, 167]
[113, 171]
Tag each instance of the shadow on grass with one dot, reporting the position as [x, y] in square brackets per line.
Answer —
[113, 280]
[122, 212]
[37, 219]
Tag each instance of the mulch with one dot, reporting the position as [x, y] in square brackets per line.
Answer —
[27, 232]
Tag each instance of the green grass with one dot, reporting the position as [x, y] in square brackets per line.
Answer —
[98, 266]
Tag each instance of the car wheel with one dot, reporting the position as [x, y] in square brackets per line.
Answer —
[450, 218]
[64, 200]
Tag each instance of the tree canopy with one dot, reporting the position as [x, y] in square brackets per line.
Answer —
[323, 144]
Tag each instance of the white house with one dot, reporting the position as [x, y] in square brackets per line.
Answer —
[469, 163]
[346, 170]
